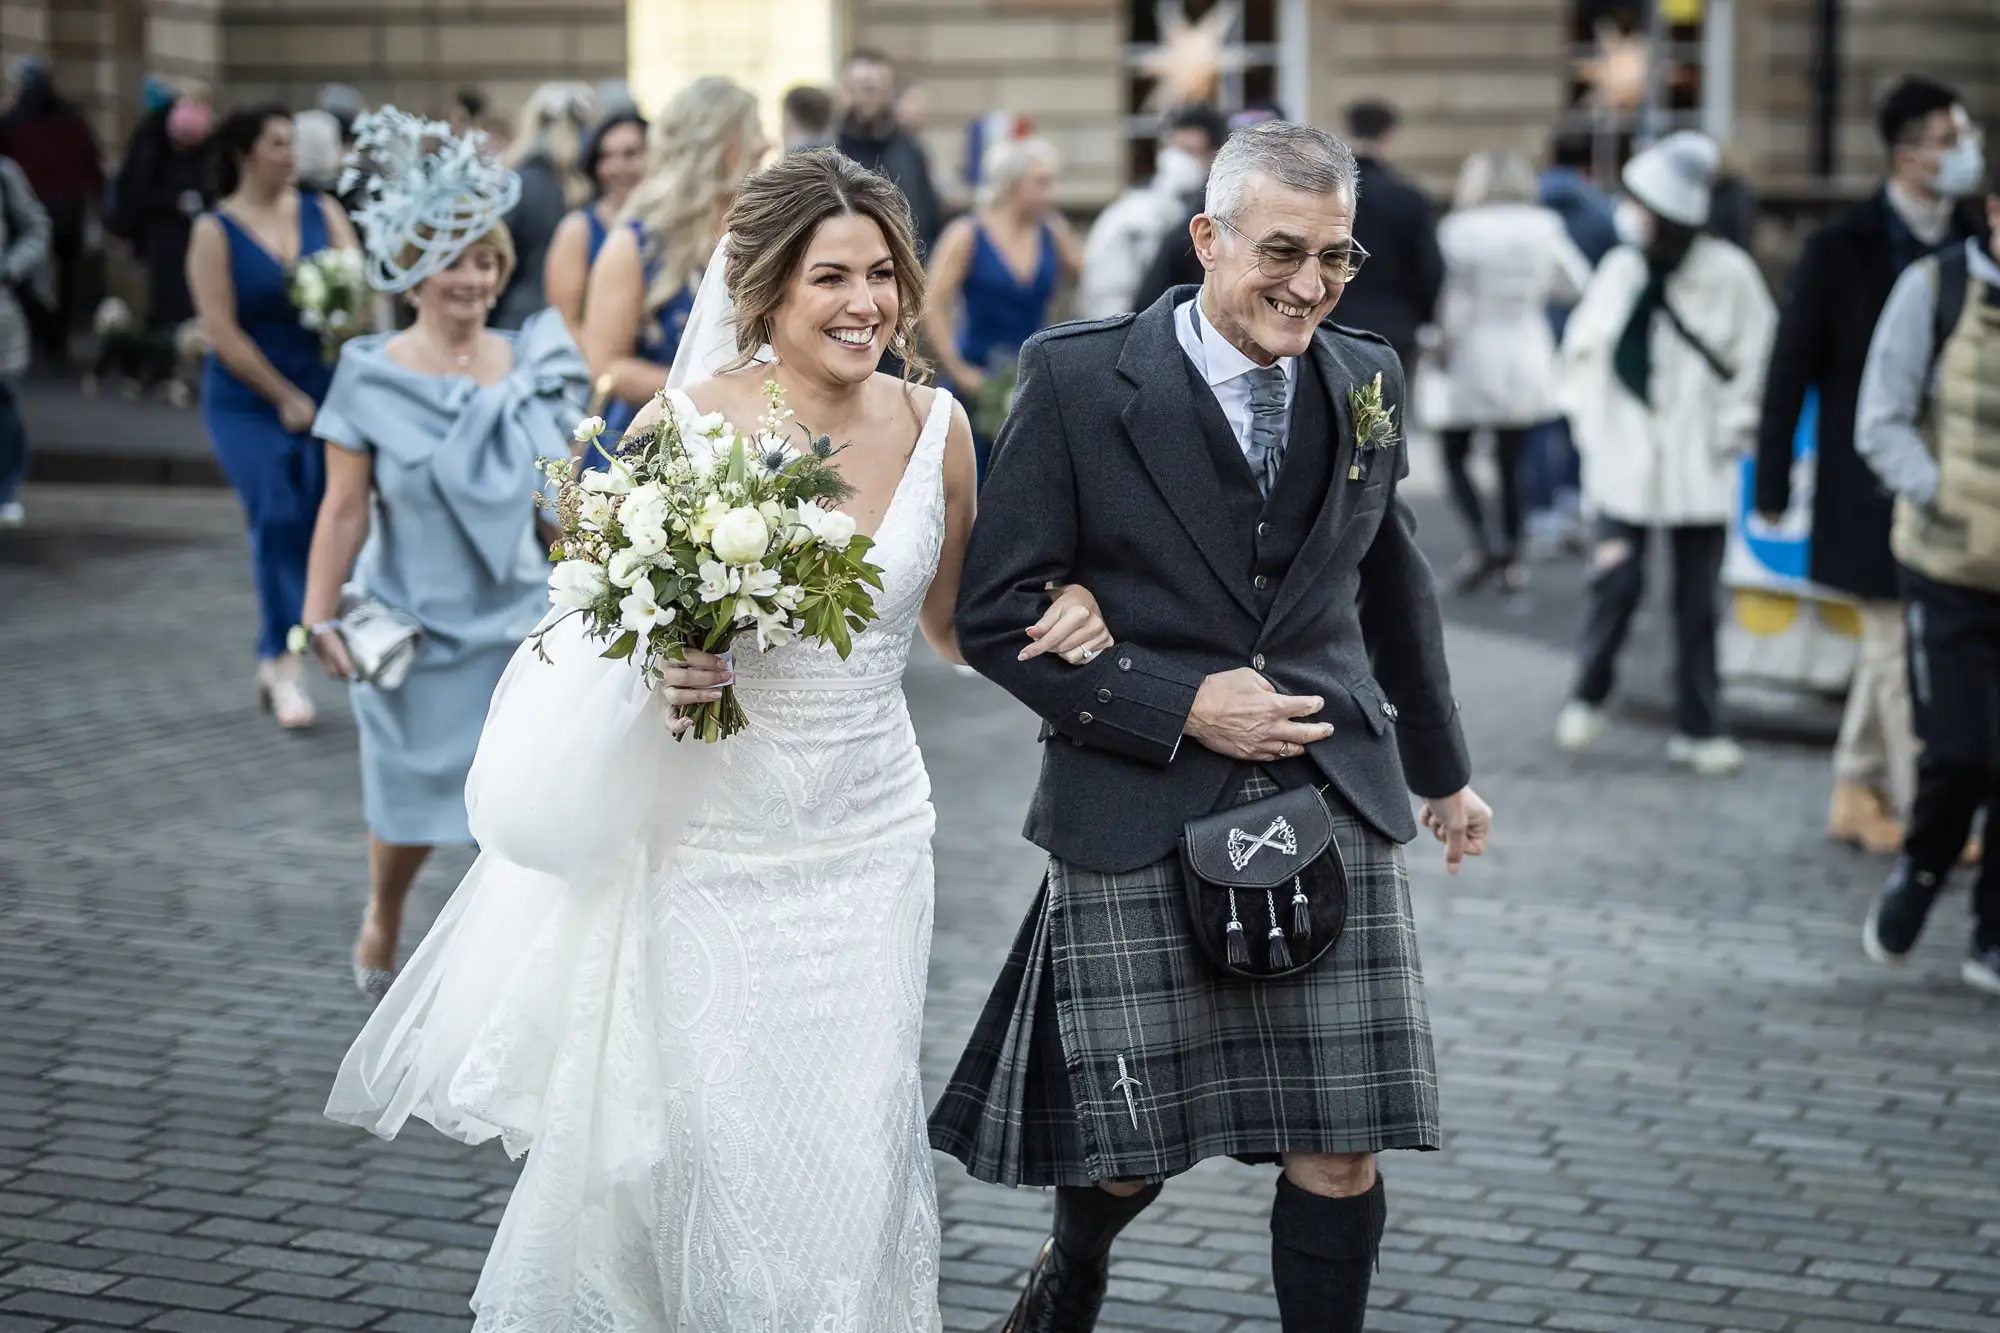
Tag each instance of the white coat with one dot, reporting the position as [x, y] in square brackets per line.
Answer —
[1127, 234]
[1505, 264]
[1671, 462]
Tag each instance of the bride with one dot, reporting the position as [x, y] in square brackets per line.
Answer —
[688, 979]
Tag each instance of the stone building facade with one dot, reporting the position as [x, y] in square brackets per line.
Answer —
[1467, 74]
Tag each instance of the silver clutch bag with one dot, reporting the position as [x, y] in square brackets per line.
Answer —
[381, 641]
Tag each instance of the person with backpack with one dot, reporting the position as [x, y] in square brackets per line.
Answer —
[1928, 424]
[1831, 303]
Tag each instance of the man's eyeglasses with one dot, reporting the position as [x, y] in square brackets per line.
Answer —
[1276, 259]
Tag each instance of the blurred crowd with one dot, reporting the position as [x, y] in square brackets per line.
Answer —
[1611, 341]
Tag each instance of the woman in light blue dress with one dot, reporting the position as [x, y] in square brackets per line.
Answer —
[435, 437]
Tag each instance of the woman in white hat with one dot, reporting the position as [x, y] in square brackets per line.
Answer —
[1663, 367]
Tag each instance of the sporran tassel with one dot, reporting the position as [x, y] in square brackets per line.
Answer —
[1280, 953]
[1238, 944]
[1302, 920]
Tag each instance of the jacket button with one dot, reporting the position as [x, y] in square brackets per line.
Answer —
[1263, 529]
[1124, 664]
[1257, 662]
[1085, 718]
[1260, 582]
[1104, 696]
[1389, 711]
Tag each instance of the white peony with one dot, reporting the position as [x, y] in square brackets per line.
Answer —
[577, 584]
[627, 568]
[741, 536]
[837, 530]
[641, 612]
[717, 581]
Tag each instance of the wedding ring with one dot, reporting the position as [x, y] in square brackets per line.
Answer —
[1089, 653]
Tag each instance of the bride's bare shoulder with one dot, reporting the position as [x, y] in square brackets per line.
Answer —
[897, 393]
[738, 395]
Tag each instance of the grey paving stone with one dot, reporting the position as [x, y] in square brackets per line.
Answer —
[1677, 1098]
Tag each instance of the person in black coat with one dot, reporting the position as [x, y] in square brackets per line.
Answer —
[869, 134]
[1832, 300]
[1396, 292]
[164, 185]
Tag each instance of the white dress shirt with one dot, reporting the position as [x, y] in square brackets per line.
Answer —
[1226, 370]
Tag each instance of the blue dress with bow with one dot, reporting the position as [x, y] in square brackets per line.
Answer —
[452, 542]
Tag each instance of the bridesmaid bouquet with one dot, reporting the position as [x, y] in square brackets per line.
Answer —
[698, 533]
[332, 294]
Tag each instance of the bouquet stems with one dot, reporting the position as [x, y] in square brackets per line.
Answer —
[716, 720]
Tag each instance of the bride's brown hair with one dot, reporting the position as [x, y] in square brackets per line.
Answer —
[776, 214]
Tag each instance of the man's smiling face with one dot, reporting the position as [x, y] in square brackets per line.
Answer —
[1268, 317]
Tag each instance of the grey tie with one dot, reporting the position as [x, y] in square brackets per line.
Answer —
[1266, 453]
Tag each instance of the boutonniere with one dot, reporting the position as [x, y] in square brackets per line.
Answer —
[1374, 425]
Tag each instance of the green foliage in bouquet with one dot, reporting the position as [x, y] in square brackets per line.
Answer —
[697, 534]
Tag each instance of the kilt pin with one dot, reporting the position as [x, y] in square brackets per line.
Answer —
[1111, 1048]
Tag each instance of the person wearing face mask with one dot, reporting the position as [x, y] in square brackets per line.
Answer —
[264, 381]
[1127, 234]
[614, 160]
[1832, 301]
[1927, 425]
[1662, 368]
[435, 437]
[163, 186]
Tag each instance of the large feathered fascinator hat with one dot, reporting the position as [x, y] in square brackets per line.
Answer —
[426, 193]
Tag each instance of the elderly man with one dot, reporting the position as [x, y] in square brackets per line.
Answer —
[1221, 470]
[1926, 423]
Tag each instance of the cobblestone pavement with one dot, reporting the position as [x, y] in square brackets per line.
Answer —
[1677, 1096]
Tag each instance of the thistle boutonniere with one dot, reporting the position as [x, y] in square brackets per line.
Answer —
[1374, 425]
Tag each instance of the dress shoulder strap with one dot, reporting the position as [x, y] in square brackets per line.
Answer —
[312, 223]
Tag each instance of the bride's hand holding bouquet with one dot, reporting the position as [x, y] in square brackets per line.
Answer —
[698, 533]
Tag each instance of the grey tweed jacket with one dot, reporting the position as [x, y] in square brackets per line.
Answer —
[1101, 477]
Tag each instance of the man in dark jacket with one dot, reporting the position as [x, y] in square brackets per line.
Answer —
[1396, 291]
[1835, 295]
[869, 134]
[52, 144]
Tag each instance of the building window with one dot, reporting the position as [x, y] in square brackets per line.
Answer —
[1615, 95]
[1176, 51]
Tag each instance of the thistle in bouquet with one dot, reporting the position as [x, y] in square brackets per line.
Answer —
[330, 289]
[697, 534]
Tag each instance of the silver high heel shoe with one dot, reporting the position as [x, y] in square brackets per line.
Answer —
[373, 982]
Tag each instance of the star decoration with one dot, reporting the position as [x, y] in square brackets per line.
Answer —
[1188, 64]
[1616, 74]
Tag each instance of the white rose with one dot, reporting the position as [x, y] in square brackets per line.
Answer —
[741, 536]
[310, 287]
[645, 538]
[627, 568]
[642, 613]
[577, 584]
[837, 530]
[644, 506]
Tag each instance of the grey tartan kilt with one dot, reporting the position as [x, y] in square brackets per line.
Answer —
[1111, 1048]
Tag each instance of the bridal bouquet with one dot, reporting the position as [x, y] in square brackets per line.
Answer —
[698, 533]
[332, 294]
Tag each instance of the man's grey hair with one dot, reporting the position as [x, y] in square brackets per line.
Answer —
[1298, 157]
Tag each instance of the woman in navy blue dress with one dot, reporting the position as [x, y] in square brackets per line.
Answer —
[706, 140]
[264, 380]
[614, 158]
[994, 275]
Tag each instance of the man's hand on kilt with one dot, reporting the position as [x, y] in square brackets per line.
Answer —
[1462, 822]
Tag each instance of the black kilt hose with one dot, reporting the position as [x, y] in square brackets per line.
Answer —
[1111, 1047]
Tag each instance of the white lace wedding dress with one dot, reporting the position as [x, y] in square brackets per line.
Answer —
[707, 1049]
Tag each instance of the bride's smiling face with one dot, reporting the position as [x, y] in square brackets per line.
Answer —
[840, 307]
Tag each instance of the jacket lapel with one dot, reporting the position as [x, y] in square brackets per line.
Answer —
[1325, 538]
[1161, 424]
